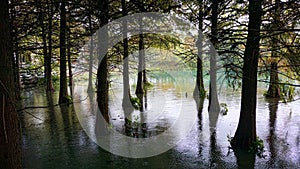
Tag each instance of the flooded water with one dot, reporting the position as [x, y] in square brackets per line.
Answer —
[54, 137]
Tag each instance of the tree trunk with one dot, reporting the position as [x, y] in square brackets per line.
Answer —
[213, 105]
[16, 54]
[90, 84]
[199, 104]
[102, 72]
[41, 18]
[63, 90]
[126, 103]
[199, 89]
[10, 136]
[69, 55]
[48, 67]
[139, 86]
[245, 134]
[44, 35]
[274, 88]
[16, 69]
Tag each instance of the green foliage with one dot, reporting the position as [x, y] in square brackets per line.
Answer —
[290, 93]
[69, 98]
[229, 138]
[287, 93]
[202, 93]
[55, 79]
[224, 107]
[257, 147]
[136, 102]
[148, 86]
[135, 123]
[265, 93]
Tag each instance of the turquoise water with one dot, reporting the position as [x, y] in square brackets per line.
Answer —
[54, 137]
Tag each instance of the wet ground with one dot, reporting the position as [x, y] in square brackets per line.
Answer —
[54, 137]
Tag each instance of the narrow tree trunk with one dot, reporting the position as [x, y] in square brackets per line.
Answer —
[48, 67]
[199, 88]
[274, 88]
[245, 134]
[139, 86]
[199, 103]
[45, 47]
[63, 90]
[213, 105]
[90, 84]
[44, 38]
[126, 103]
[273, 108]
[69, 55]
[10, 136]
[102, 72]
[142, 43]
[144, 71]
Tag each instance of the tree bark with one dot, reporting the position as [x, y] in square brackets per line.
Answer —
[10, 136]
[90, 84]
[102, 72]
[139, 86]
[41, 19]
[126, 103]
[69, 54]
[48, 66]
[213, 105]
[274, 88]
[63, 90]
[16, 54]
[245, 134]
[199, 89]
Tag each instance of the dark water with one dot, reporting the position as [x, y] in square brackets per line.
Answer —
[54, 138]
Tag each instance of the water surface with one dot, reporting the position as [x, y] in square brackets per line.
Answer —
[54, 138]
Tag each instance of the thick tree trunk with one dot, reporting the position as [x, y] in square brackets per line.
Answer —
[102, 72]
[199, 89]
[213, 105]
[10, 143]
[63, 90]
[16, 54]
[245, 134]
